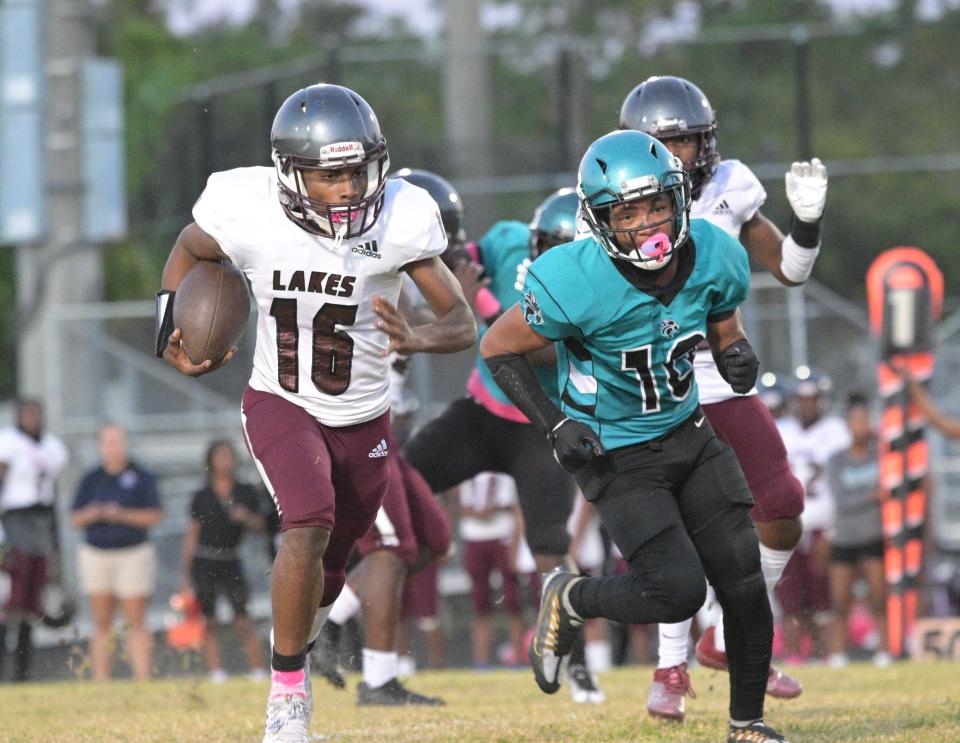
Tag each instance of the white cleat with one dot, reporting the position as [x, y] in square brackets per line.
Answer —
[308, 685]
[288, 720]
[583, 686]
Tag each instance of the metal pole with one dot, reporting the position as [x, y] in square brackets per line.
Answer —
[205, 125]
[332, 71]
[797, 314]
[468, 105]
[801, 53]
[63, 269]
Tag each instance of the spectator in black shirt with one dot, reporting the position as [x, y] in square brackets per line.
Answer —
[115, 505]
[219, 515]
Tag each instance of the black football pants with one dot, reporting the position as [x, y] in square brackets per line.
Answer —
[467, 439]
[678, 508]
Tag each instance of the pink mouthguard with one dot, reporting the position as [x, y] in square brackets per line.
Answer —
[655, 248]
[345, 216]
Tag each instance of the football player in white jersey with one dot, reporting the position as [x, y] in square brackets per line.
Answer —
[411, 530]
[727, 193]
[30, 461]
[811, 436]
[324, 239]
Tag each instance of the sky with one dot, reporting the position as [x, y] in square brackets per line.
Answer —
[424, 16]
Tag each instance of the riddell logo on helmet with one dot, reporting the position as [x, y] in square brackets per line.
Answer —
[341, 150]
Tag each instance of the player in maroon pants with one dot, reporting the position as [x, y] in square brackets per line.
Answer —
[325, 241]
[410, 531]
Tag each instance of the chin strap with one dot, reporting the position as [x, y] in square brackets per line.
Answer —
[339, 235]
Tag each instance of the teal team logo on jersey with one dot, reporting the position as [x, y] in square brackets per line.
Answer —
[669, 328]
[531, 309]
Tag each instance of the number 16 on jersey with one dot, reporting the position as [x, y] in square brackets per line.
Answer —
[332, 349]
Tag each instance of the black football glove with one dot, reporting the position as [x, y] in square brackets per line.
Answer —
[738, 365]
[574, 444]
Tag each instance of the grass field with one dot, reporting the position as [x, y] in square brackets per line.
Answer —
[909, 703]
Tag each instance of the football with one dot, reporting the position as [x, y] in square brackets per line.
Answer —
[211, 307]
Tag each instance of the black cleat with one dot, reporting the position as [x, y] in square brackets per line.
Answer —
[324, 654]
[756, 732]
[393, 694]
[555, 632]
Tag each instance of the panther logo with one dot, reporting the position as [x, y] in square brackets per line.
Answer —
[531, 309]
[669, 328]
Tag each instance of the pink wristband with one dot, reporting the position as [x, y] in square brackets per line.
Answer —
[487, 304]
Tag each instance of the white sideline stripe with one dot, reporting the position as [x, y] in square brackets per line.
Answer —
[584, 384]
[260, 469]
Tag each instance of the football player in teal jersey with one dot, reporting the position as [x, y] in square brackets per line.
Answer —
[628, 306]
[485, 432]
[728, 194]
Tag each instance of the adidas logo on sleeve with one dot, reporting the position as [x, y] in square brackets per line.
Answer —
[722, 208]
[380, 450]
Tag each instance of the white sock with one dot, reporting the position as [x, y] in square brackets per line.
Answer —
[565, 598]
[346, 607]
[772, 563]
[707, 615]
[379, 667]
[598, 656]
[674, 642]
[318, 619]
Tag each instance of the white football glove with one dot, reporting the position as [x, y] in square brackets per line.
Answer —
[522, 274]
[807, 189]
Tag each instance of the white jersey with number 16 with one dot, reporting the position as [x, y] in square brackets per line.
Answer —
[317, 341]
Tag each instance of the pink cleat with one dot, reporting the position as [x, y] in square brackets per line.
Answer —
[707, 653]
[782, 685]
[670, 686]
[779, 684]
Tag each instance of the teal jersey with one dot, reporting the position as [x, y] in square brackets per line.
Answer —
[502, 249]
[625, 367]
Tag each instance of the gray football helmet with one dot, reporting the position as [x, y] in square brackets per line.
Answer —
[666, 107]
[329, 127]
[446, 196]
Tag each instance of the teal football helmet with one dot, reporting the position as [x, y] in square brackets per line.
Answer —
[554, 221]
[626, 166]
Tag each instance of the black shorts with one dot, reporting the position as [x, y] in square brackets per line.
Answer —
[467, 439]
[857, 554]
[210, 577]
[687, 476]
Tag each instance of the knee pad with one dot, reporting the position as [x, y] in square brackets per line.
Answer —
[552, 540]
[684, 592]
[676, 591]
[733, 545]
